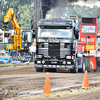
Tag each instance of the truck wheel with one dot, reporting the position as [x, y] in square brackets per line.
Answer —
[76, 67]
[39, 69]
[83, 67]
[75, 70]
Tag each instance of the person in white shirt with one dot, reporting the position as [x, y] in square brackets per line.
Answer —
[32, 50]
[90, 30]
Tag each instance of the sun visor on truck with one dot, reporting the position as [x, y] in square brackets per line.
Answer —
[48, 22]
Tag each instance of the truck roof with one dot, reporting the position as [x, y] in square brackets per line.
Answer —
[55, 22]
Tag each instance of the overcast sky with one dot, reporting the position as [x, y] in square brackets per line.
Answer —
[89, 3]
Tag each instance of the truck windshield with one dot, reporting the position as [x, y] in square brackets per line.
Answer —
[88, 28]
[57, 33]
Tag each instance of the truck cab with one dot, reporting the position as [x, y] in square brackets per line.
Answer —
[88, 33]
[56, 45]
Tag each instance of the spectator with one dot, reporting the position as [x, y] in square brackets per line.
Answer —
[25, 38]
[32, 50]
[91, 30]
[26, 49]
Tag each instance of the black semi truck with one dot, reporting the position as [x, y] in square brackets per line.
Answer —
[54, 46]
[56, 42]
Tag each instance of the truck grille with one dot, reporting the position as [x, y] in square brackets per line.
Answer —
[54, 49]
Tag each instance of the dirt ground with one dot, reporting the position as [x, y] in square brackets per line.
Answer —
[92, 93]
[20, 81]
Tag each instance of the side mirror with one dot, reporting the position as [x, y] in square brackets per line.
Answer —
[77, 31]
[33, 35]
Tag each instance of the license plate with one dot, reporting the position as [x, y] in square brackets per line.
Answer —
[90, 47]
[53, 59]
[53, 62]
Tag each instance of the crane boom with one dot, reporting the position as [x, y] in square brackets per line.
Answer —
[11, 17]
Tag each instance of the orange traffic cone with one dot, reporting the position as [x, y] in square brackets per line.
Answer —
[47, 85]
[85, 81]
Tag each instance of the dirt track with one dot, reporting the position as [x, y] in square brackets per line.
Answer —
[18, 81]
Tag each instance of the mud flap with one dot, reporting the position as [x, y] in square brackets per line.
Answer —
[93, 63]
[90, 63]
[75, 69]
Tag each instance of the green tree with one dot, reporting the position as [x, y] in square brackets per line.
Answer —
[26, 13]
[16, 4]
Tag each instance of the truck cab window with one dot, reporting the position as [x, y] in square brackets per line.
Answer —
[88, 28]
[26, 36]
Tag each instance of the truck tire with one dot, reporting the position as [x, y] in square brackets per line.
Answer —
[76, 66]
[39, 69]
[82, 70]
[75, 70]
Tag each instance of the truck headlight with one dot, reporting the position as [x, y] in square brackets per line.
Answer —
[39, 62]
[68, 57]
[68, 62]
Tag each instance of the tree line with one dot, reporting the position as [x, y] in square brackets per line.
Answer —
[24, 11]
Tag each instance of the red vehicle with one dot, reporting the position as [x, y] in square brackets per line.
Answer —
[87, 42]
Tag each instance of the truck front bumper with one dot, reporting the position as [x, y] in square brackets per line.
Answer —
[54, 66]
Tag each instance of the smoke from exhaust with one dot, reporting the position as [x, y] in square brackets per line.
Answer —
[51, 4]
[48, 6]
